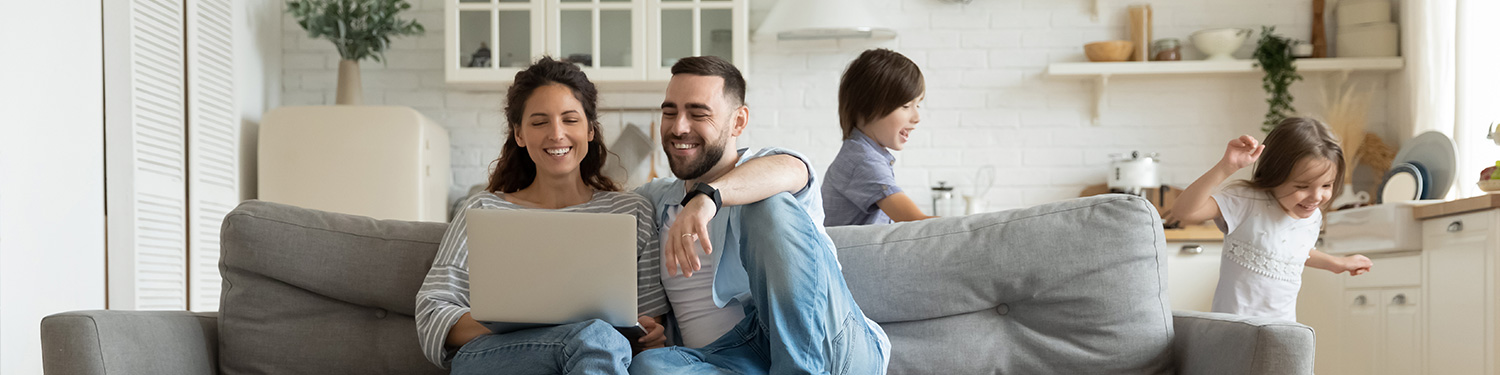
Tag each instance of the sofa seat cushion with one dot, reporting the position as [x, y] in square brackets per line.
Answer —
[313, 292]
[1071, 287]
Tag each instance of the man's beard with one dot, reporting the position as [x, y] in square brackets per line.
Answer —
[692, 169]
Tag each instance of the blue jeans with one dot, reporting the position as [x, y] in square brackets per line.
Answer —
[802, 319]
[591, 347]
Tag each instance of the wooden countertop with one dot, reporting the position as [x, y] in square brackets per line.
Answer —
[1204, 233]
[1483, 202]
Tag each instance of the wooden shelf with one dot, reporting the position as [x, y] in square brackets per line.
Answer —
[1100, 72]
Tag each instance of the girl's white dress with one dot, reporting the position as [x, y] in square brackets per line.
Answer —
[1264, 252]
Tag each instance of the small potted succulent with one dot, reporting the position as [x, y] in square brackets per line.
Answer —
[359, 29]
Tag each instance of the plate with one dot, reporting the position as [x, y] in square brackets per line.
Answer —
[1402, 183]
[1435, 152]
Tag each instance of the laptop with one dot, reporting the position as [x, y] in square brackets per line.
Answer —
[536, 268]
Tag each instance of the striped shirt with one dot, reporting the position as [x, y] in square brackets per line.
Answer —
[444, 296]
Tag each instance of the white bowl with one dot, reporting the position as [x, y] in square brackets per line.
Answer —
[1219, 44]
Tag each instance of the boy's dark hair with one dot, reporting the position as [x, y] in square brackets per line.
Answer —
[713, 66]
[514, 169]
[877, 83]
[1290, 141]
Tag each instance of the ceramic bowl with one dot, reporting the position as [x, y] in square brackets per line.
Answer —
[1220, 44]
[1490, 186]
[1109, 50]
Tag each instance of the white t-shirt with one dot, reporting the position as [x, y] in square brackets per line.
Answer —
[1264, 253]
[700, 320]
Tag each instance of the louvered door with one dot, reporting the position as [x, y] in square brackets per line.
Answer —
[213, 139]
[171, 159]
[145, 155]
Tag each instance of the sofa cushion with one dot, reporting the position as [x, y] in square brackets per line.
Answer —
[1071, 287]
[313, 292]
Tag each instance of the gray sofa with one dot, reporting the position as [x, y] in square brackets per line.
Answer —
[1072, 287]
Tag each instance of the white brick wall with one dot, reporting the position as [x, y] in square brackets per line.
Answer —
[988, 101]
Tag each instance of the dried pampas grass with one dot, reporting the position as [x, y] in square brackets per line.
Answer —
[1345, 107]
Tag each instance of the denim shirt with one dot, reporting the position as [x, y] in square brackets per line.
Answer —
[859, 177]
[730, 281]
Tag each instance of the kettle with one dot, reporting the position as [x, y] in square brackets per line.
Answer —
[1133, 174]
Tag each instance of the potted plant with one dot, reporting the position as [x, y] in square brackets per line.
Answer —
[359, 29]
[1274, 55]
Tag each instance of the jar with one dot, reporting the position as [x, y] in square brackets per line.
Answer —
[942, 199]
[1169, 49]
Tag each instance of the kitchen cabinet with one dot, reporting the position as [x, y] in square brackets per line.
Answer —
[1367, 324]
[616, 42]
[1460, 283]
[1193, 273]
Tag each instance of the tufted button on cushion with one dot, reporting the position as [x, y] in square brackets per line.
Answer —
[1003, 309]
[379, 313]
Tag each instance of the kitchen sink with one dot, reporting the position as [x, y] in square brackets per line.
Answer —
[1382, 228]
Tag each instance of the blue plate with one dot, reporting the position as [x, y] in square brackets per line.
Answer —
[1403, 182]
[1427, 192]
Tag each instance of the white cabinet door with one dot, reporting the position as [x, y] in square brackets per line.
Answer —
[489, 41]
[1401, 351]
[1361, 325]
[1192, 276]
[683, 28]
[1461, 315]
[1318, 306]
[607, 38]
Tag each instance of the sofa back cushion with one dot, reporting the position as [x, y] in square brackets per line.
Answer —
[313, 292]
[1065, 288]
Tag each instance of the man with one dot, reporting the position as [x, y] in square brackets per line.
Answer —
[753, 280]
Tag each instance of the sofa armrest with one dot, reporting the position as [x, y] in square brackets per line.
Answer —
[1215, 343]
[130, 342]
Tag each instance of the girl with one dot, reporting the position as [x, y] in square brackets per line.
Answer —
[552, 160]
[1271, 222]
[878, 101]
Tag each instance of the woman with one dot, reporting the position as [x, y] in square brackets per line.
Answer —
[552, 160]
[878, 100]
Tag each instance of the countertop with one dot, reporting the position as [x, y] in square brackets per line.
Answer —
[1483, 202]
[1191, 233]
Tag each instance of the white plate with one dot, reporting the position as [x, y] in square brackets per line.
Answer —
[1435, 152]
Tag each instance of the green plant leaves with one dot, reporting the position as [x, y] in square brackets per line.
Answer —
[1274, 56]
[359, 29]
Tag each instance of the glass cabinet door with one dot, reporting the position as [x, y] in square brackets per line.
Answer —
[686, 28]
[491, 40]
[604, 37]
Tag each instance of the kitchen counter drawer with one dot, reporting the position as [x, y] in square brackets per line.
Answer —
[1403, 269]
[1459, 227]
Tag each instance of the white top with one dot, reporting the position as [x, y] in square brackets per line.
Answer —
[700, 320]
[1264, 253]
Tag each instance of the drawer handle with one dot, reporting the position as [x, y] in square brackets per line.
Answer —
[1191, 249]
[1456, 226]
[1399, 299]
[1359, 300]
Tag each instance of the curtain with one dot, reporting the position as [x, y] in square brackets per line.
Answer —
[1478, 91]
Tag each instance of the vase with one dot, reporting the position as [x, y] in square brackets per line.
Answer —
[349, 90]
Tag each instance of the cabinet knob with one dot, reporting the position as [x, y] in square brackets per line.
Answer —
[1192, 249]
[1456, 226]
[1359, 300]
[1399, 299]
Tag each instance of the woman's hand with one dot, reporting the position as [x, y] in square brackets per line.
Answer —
[656, 334]
[1241, 152]
[690, 226]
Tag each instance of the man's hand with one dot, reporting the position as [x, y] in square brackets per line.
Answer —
[1356, 265]
[690, 226]
[1241, 152]
[656, 334]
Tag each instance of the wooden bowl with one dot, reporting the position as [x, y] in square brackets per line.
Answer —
[1109, 50]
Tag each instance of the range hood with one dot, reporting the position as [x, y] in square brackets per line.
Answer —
[822, 19]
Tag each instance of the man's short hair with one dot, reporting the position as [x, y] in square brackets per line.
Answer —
[713, 66]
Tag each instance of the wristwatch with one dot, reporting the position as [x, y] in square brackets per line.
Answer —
[705, 189]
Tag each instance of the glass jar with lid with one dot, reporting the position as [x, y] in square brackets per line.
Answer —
[1167, 49]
